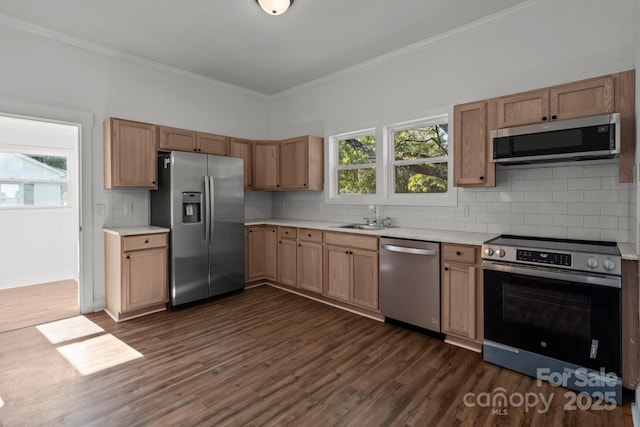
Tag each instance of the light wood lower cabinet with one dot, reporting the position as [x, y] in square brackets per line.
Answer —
[310, 260]
[630, 325]
[287, 251]
[136, 274]
[262, 248]
[462, 294]
[351, 269]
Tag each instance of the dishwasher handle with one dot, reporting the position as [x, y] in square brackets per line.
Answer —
[414, 251]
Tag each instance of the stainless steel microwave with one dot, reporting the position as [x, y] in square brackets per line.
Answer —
[596, 137]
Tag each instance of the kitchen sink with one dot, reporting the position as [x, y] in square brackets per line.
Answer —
[361, 227]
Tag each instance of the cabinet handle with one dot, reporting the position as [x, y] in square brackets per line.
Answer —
[446, 269]
[299, 245]
[146, 241]
[195, 149]
[286, 232]
[482, 178]
[544, 118]
[128, 257]
[305, 184]
[554, 117]
[280, 241]
[273, 231]
[250, 231]
[153, 182]
[346, 252]
[308, 235]
[458, 253]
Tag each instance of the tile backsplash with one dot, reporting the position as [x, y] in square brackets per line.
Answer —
[577, 200]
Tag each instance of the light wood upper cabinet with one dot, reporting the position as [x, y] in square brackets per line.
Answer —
[130, 154]
[136, 274]
[462, 293]
[174, 139]
[472, 155]
[302, 163]
[568, 101]
[242, 148]
[523, 108]
[266, 165]
[582, 99]
[209, 143]
[262, 249]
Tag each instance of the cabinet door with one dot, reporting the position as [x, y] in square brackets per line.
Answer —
[145, 278]
[523, 109]
[130, 154]
[582, 99]
[364, 288]
[265, 165]
[471, 156]
[242, 148]
[337, 273]
[459, 300]
[294, 164]
[255, 253]
[287, 262]
[310, 266]
[177, 139]
[271, 253]
[209, 143]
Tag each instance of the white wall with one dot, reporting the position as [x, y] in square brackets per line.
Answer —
[539, 44]
[38, 71]
[38, 246]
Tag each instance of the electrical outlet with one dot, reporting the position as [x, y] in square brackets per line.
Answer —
[100, 209]
[465, 211]
[127, 209]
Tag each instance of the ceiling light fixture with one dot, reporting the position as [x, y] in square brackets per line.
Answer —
[275, 7]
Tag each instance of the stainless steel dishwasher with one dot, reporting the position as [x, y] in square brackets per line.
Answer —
[410, 282]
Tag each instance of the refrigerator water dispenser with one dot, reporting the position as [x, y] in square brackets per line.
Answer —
[191, 207]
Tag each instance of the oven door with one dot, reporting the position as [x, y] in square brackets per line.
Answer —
[564, 316]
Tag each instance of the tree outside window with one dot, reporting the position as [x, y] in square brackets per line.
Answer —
[420, 159]
[357, 165]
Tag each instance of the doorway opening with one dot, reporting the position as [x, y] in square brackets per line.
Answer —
[39, 221]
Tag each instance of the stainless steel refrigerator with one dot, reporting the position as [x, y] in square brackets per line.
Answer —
[201, 199]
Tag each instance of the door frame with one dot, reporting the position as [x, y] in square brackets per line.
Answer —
[84, 182]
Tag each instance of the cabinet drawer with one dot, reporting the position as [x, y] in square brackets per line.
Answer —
[458, 253]
[310, 235]
[287, 232]
[144, 241]
[352, 240]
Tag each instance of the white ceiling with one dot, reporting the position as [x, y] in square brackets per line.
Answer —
[235, 42]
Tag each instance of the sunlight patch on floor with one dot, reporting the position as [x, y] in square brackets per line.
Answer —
[69, 329]
[95, 354]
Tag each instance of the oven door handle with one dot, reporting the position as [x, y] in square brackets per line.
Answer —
[576, 277]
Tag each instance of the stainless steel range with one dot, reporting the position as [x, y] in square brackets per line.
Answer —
[553, 311]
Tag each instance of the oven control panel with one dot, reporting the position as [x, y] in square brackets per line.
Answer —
[539, 257]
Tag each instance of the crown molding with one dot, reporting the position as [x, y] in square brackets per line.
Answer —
[480, 24]
[26, 27]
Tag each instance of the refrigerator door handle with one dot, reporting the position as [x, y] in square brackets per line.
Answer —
[207, 213]
[211, 210]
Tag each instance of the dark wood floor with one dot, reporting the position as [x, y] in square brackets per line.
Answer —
[267, 357]
[32, 305]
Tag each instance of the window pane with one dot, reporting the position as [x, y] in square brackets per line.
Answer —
[357, 151]
[357, 181]
[30, 166]
[429, 178]
[421, 143]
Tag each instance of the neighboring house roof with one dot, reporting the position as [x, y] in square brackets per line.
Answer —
[20, 166]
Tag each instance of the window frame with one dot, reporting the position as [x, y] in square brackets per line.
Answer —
[385, 167]
[448, 198]
[69, 180]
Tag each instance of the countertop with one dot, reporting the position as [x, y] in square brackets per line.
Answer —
[132, 231]
[460, 237]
